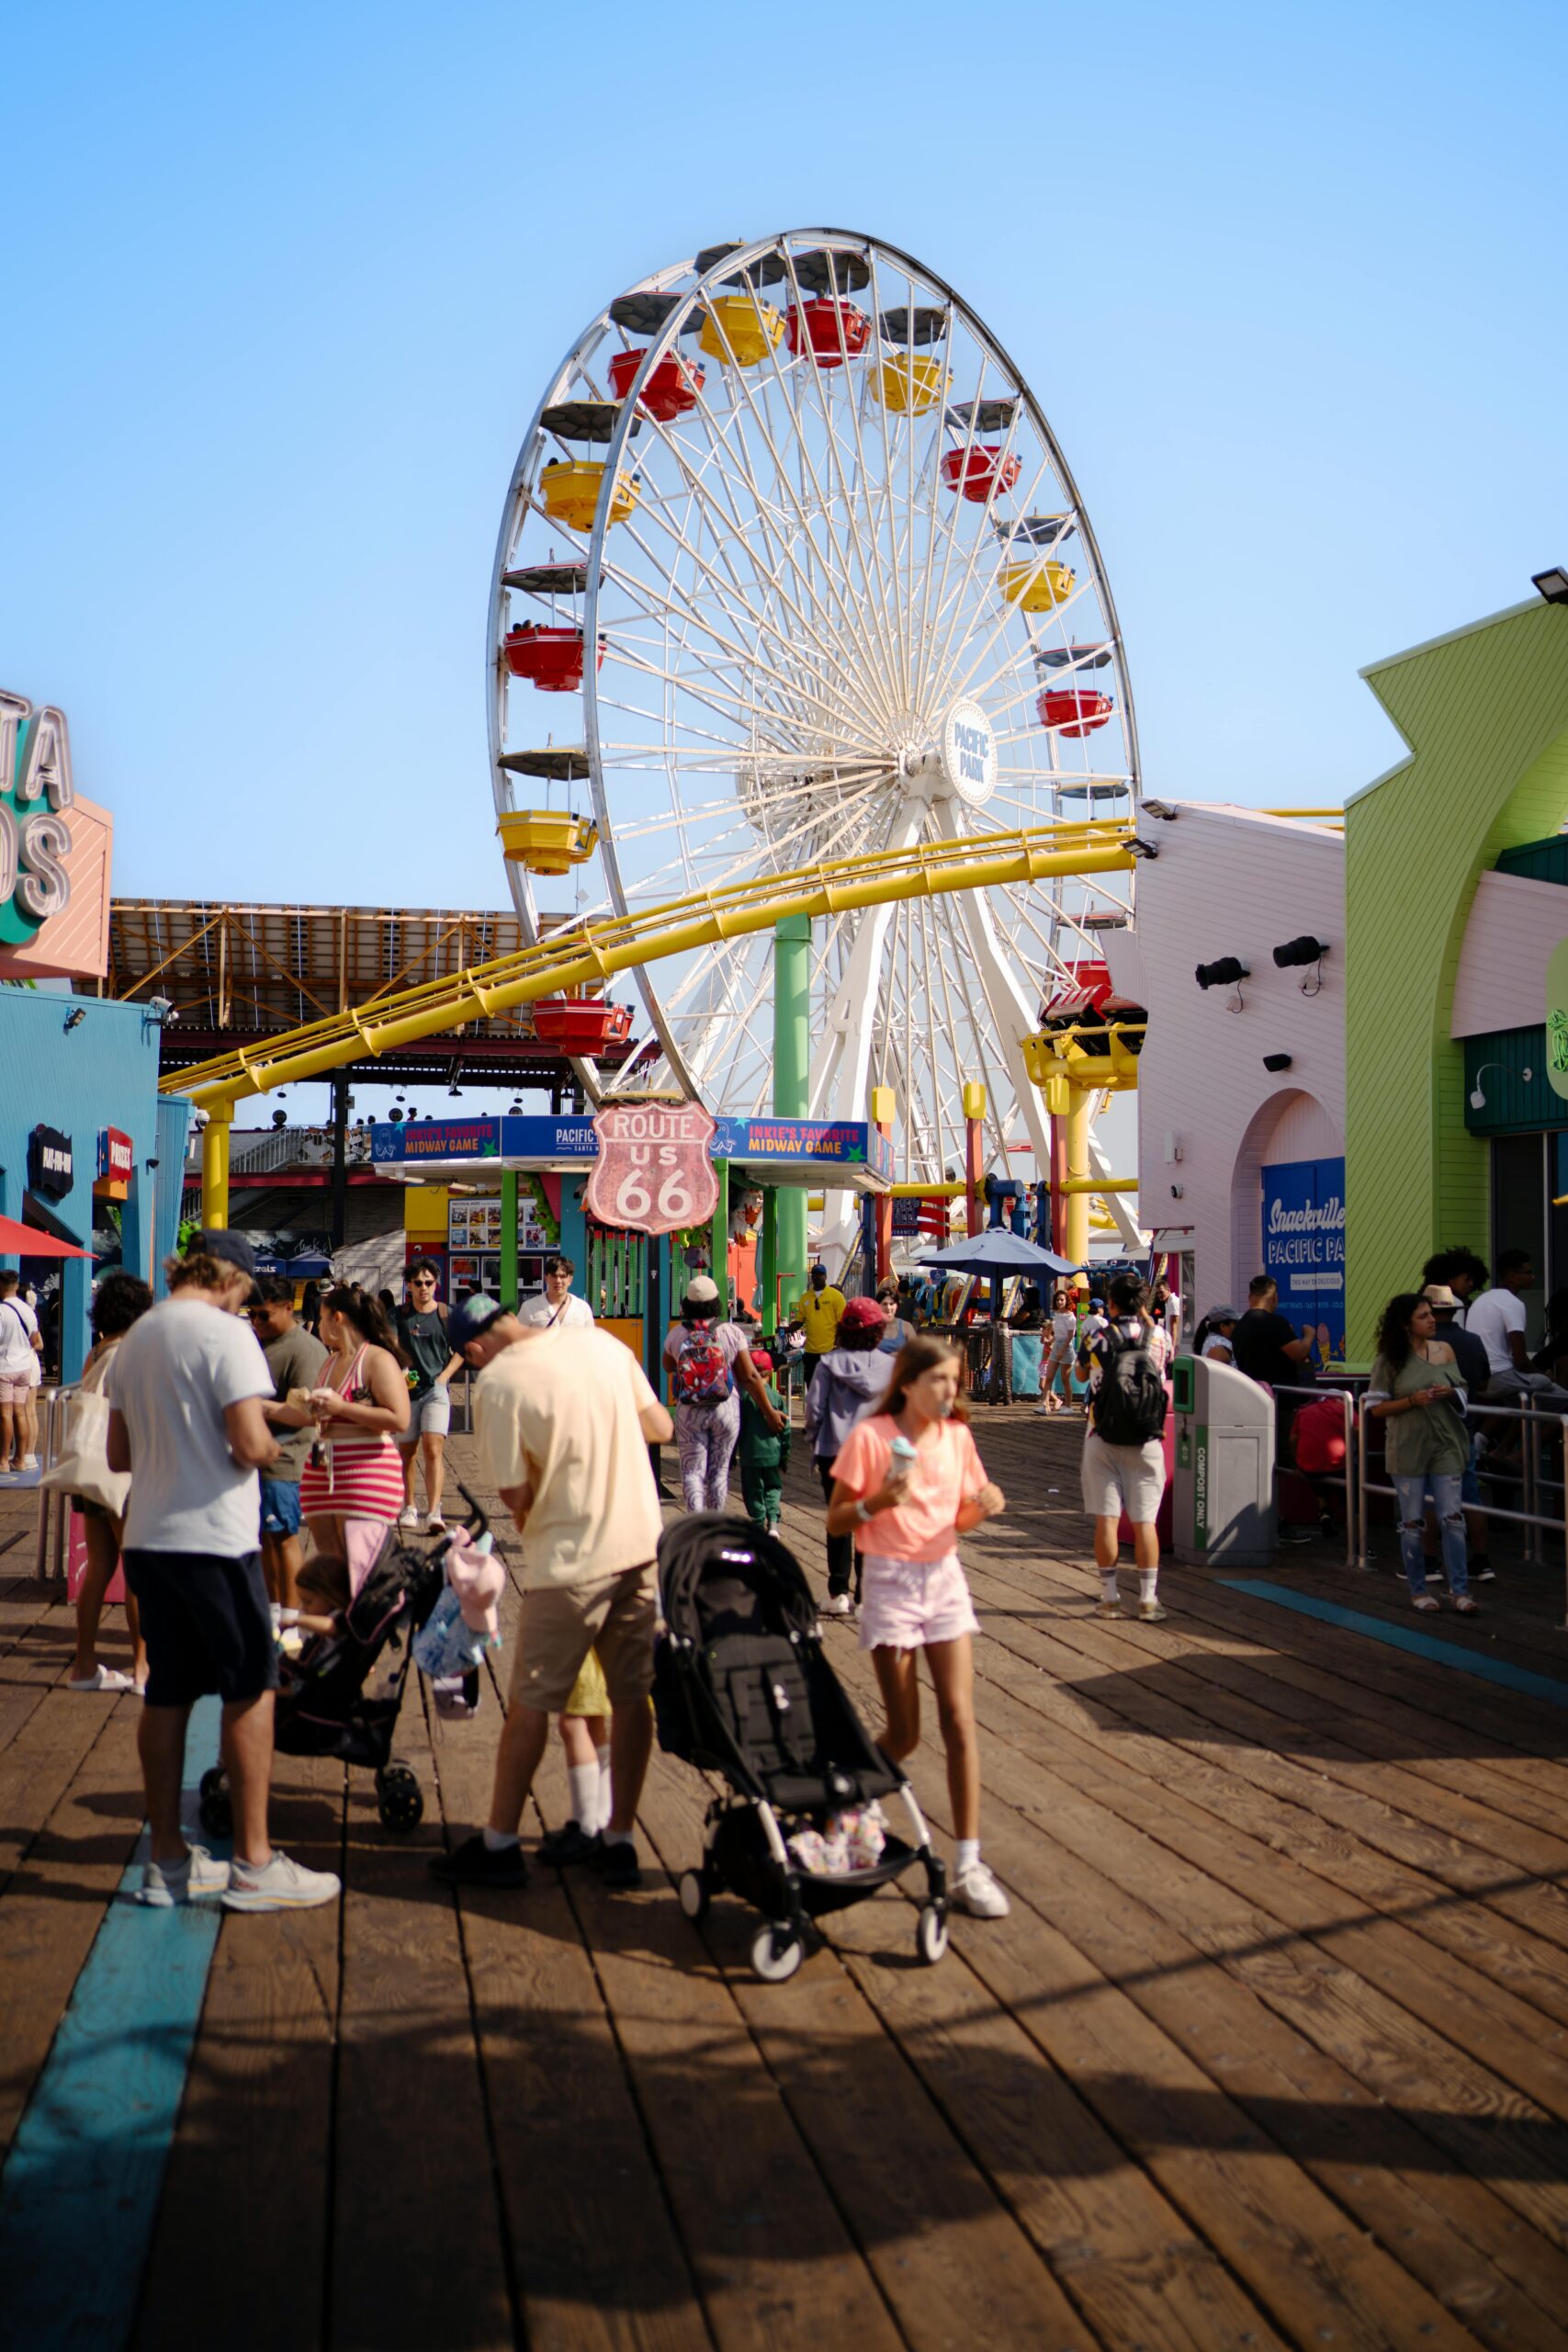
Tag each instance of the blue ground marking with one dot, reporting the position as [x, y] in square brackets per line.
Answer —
[1404, 1637]
[79, 2193]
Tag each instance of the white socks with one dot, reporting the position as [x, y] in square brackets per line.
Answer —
[1108, 1584]
[968, 1852]
[583, 1781]
[1147, 1579]
[498, 1840]
[603, 1819]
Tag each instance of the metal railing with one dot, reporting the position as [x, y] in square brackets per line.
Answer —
[1533, 1480]
[1315, 1478]
[54, 1509]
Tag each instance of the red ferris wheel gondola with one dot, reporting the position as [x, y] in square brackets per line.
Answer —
[550, 658]
[672, 388]
[981, 472]
[1074, 711]
[831, 331]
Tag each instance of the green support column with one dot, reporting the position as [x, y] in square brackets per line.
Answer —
[770, 1261]
[719, 1237]
[509, 1239]
[791, 1059]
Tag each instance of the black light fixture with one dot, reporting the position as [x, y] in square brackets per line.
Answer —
[74, 1020]
[1306, 949]
[1551, 585]
[1276, 1061]
[1223, 973]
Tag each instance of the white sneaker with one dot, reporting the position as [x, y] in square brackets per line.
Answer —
[166, 1884]
[407, 1517]
[838, 1604]
[976, 1890]
[29, 1462]
[281, 1885]
[434, 1525]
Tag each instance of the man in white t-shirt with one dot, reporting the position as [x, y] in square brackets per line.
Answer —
[559, 1310]
[563, 1433]
[20, 1350]
[1498, 1321]
[185, 1386]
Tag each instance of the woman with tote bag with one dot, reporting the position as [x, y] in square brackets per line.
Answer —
[99, 1493]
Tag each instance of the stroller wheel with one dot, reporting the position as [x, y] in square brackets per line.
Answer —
[692, 1890]
[930, 1933]
[400, 1800]
[776, 1953]
[214, 1808]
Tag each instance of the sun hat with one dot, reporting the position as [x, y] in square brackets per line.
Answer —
[702, 1291]
[1440, 1294]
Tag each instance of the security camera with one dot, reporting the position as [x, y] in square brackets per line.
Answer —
[200, 1118]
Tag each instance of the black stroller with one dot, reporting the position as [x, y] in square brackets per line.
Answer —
[741, 1687]
[324, 1708]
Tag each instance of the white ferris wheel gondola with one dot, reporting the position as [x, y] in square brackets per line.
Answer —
[792, 533]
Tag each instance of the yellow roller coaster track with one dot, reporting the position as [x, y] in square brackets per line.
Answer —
[596, 951]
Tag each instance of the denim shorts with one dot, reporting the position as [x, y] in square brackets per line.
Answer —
[429, 1416]
[281, 1507]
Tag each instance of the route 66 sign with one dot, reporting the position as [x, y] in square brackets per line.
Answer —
[653, 1173]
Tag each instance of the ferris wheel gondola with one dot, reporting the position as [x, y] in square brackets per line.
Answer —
[811, 518]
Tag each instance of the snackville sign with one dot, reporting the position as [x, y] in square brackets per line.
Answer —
[653, 1173]
[36, 793]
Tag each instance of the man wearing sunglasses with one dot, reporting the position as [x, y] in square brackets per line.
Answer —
[422, 1329]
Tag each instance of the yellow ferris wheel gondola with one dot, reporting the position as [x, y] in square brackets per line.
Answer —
[547, 841]
[570, 488]
[740, 330]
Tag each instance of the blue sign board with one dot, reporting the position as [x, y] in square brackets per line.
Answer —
[816, 1143]
[1303, 1249]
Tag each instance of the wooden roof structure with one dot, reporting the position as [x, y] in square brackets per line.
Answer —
[235, 972]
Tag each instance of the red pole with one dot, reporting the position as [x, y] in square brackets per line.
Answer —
[975, 1154]
[882, 1118]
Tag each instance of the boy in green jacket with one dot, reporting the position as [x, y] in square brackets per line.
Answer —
[763, 1452]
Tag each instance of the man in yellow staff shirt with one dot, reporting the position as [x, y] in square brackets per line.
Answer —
[818, 1314]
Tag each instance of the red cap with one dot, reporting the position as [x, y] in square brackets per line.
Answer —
[862, 1315]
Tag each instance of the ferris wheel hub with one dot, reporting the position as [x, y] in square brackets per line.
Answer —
[960, 762]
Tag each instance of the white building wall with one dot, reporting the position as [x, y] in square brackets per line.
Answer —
[1515, 922]
[1231, 882]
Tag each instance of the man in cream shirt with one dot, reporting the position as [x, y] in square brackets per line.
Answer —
[563, 1433]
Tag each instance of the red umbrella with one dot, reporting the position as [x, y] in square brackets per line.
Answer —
[31, 1241]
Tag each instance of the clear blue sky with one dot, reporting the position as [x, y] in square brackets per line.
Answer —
[285, 282]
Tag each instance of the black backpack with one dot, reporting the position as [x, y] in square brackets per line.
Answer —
[1129, 1403]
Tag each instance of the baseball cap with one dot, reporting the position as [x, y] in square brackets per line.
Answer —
[763, 1360]
[862, 1315]
[1223, 1315]
[218, 1242]
[472, 1316]
[1440, 1294]
[701, 1291]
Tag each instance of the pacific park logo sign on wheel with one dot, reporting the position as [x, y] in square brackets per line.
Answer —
[654, 1173]
[35, 792]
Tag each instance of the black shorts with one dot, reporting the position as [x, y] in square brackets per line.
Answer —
[207, 1623]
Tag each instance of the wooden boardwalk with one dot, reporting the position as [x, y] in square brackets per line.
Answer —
[1273, 2048]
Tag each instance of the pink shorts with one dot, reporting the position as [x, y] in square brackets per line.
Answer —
[906, 1603]
[16, 1392]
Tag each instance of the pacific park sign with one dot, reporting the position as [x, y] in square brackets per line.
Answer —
[36, 792]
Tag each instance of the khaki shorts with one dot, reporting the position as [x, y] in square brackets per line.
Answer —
[1118, 1478]
[615, 1616]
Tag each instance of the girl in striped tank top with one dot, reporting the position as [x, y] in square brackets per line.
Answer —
[352, 1496]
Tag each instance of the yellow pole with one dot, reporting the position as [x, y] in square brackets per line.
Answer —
[215, 1164]
[1078, 1185]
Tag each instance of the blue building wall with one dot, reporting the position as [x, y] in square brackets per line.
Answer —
[102, 1073]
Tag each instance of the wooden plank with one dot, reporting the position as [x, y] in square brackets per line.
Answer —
[416, 2249]
[947, 2252]
[594, 2249]
[54, 1906]
[257, 2111]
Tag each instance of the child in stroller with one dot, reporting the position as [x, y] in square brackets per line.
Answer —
[323, 1705]
[742, 1687]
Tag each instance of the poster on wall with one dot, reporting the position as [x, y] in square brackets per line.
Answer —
[1303, 1249]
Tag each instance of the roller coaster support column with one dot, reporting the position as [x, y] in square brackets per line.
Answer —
[718, 1239]
[1075, 1222]
[215, 1164]
[974, 1155]
[882, 1106]
[1058, 1180]
[792, 1082]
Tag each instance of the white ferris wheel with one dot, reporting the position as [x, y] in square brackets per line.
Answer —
[844, 597]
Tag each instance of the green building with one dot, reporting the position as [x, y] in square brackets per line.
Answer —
[1456, 877]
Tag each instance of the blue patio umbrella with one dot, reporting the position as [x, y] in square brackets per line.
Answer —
[309, 1266]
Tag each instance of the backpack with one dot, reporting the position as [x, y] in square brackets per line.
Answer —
[702, 1369]
[1129, 1403]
